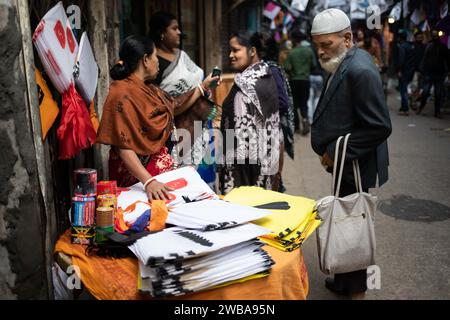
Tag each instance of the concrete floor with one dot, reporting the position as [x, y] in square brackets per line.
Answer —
[413, 218]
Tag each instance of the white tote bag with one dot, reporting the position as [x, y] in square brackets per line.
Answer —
[346, 236]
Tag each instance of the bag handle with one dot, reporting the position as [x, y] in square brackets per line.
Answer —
[341, 168]
[357, 176]
[355, 163]
[336, 155]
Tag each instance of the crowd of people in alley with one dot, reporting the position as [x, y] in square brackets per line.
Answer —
[425, 63]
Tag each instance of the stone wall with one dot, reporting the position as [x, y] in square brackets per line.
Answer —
[23, 272]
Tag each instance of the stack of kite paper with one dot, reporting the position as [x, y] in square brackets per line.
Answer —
[210, 215]
[193, 206]
[187, 184]
[292, 221]
[177, 261]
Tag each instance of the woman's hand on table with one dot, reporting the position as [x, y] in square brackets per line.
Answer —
[158, 191]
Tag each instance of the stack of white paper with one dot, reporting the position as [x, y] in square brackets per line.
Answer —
[175, 243]
[57, 47]
[176, 261]
[229, 264]
[206, 212]
[213, 214]
[203, 215]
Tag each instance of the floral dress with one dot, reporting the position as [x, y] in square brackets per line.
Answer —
[252, 152]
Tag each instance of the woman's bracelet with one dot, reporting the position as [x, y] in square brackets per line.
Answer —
[148, 182]
[202, 91]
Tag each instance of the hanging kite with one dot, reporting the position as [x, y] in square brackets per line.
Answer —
[57, 48]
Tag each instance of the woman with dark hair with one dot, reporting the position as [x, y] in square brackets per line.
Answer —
[137, 118]
[179, 74]
[251, 109]
[285, 101]
[367, 40]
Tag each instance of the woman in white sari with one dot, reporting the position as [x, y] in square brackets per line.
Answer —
[179, 74]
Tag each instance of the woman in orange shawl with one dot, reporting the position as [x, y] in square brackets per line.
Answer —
[138, 118]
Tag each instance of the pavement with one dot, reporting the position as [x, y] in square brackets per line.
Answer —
[413, 219]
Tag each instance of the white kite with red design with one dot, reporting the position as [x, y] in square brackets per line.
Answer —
[57, 47]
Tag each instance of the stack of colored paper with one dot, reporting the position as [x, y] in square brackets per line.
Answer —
[292, 221]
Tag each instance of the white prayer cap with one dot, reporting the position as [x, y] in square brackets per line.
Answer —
[330, 21]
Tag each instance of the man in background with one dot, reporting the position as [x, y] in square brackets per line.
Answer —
[405, 68]
[298, 65]
[434, 68]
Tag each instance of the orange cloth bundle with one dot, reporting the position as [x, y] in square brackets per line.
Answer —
[158, 215]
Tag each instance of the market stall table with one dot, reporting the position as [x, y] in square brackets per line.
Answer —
[116, 279]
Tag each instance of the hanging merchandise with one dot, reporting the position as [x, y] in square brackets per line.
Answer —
[279, 19]
[424, 26]
[289, 8]
[405, 8]
[444, 10]
[277, 36]
[288, 19]
[273, 26]
[75, 131]
[396, 12]
[57, 48]
[284, 34]
[416, 17]
[358, 9]
[47, 106]
[383, 5]
[271, 10]
[299, 5]
[86, 70]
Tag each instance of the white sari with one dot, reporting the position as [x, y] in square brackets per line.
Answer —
[181, 75]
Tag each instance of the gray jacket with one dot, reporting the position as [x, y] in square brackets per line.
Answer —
[355, 103]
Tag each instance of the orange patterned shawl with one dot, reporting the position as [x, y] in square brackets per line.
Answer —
[137, 116]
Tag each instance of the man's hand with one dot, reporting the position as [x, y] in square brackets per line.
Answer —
[326, 161]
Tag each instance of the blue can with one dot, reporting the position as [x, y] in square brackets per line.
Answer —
[83, 211]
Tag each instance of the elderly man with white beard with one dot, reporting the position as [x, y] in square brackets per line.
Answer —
[352, 102]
